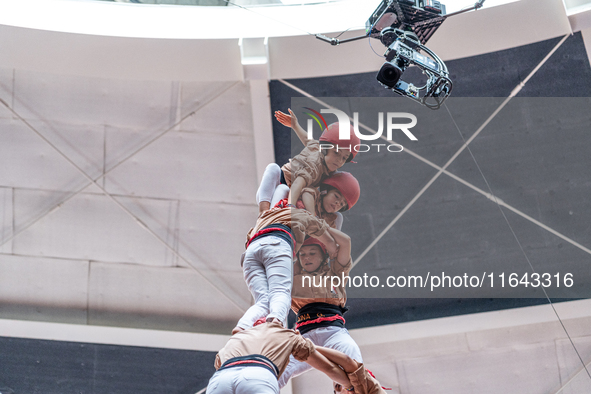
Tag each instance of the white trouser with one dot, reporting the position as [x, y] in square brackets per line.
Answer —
[271, 190]
[267, 266]
[243, 380]
[333, 337]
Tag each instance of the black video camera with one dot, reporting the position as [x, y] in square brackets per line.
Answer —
[401, 25]
[404, 52]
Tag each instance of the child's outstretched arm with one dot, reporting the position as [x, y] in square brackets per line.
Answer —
[321, 363]
[292, 121]
[339, 358]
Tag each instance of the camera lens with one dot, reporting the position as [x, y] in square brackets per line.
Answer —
[389, 74]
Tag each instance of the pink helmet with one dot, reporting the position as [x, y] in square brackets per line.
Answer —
[347, 184]
[331, 134]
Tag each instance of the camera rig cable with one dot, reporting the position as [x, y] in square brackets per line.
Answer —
[494, 198]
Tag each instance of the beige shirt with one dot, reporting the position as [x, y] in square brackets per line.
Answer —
[300, 221]
[270, 340]
[364, 383]
[303, 294]
[309, 164]
[329, 218]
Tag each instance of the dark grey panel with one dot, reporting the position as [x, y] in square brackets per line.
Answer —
[54, 367]
[522, 161]
[565, 74]
[535, 156]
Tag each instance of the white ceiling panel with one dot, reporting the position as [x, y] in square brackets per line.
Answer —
[152, 290]
[28, 161]
[34, 288]
[162, 217]
[574, 379]
[518, 335]
[91, 227]
[6, 84]
[6, 219]
[483, 372]
[120, 57]
[415, 348]
[214, 234]
[92, 101]
[82, 144]
[121, 143]
[201, 96]
[228, 114]
[579, 327]
[190, 166]
[32, 205]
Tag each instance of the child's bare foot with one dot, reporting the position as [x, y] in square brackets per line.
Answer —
[264, 206]
[274, 320]
[237, 329]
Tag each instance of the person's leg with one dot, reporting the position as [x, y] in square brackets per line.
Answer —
[271, 179]
[256, 380]
[281, 192]
[256, 281]
[293, 369]
[222, 382]
[341, 340]
[337, 338]
[278, 266]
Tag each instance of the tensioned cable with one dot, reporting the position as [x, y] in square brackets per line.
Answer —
[491, 194]
[141, 148]
[517, 239]
[446, 172]
[466, 143]
[127, 211]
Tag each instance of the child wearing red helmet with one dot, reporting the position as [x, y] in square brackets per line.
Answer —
[318, 302]
[308, 168]
[336, 194]
[267, 262]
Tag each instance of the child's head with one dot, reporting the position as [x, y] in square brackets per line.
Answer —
[335, 159]
[339, 192]
[340, 148]
[312, 255]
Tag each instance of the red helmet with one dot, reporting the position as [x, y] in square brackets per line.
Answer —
[347, 184]
[331, 134]
[313, 241]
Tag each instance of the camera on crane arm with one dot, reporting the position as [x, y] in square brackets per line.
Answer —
[405, 52]
[404, 26]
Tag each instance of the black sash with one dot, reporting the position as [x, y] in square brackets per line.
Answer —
[320, 314]
[253, 360]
